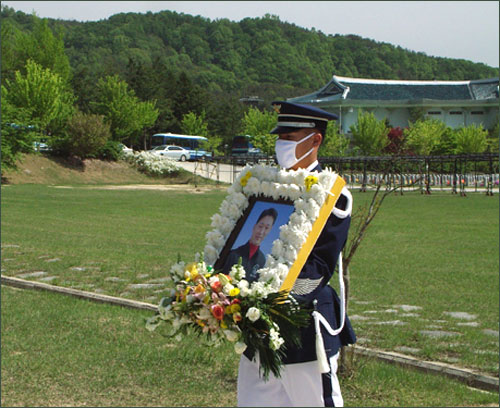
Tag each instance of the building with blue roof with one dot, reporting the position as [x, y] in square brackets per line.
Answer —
[456, 103]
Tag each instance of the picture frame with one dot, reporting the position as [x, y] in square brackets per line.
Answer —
[242, 233]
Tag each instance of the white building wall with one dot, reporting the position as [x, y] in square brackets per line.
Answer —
[399, 117]
[452, 117]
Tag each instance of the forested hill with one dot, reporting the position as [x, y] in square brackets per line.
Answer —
[256, 56]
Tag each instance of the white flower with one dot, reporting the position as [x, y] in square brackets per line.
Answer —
[294, 192]
[176, 323]
[178, 269]
[215, 238]
[277, 249]
[290, 255]
[231, 335]
[312, 209]
[243, 286]
[237, 272]
[266, 188]
[252, 187]
[253, 314]
[275, 341]
[318, 194]
[283, 190]
[227, 288]
[275, 190]
[213, 279]
[211, 254]
[240, 347]
[204, 313]
[260, 289]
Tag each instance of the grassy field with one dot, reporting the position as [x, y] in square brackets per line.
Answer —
[425, 258]
[60, 351]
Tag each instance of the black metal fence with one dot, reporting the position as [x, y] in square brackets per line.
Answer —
[458, 174]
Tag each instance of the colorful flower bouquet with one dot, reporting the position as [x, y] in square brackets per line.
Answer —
[226, 307]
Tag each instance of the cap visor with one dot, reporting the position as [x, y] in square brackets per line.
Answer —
[282, 129]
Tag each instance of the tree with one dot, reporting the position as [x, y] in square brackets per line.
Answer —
[423, 136]
[17, 136]
[471, 139]
[494, 137]
[125, 113]
[334, 144]
[44, 95]
[369, 134]
[43, 47]
[193, 124]
[258, 124]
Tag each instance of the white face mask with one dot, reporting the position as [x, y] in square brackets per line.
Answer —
[285, 151]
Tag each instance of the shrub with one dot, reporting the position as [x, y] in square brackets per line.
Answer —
[334, 144]
[424, 136]
[152, 164]
[111, 151]
[369, 134]
[396, 141]
[471, 139]
[86, 135]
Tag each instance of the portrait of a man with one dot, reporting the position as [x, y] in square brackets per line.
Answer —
[250, 253]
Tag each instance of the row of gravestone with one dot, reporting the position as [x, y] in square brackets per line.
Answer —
[480, 180]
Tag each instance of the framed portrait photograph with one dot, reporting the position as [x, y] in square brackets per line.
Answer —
[253, 236]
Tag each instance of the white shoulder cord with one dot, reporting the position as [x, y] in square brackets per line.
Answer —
[324, 365]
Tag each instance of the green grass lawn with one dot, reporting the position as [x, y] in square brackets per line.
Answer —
[62, 351]
[433, 255]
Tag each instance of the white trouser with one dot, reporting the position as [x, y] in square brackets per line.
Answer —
[300, 385]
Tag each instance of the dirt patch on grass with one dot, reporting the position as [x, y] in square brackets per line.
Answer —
[157, 187]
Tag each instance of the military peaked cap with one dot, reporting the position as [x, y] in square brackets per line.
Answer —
[292, 117]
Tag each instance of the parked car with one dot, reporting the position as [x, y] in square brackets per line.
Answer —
[41, 145]
[125, 149]
[172, 152]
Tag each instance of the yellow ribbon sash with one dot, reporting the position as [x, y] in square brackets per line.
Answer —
[313, 236]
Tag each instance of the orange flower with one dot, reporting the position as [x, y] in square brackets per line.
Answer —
[199, 289]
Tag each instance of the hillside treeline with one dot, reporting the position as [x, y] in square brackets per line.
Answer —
[244, 57]
[143, 73]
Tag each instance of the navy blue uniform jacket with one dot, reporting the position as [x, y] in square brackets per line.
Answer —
[251, 265]
[315, 275]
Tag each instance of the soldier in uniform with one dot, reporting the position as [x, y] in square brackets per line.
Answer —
[300, 131]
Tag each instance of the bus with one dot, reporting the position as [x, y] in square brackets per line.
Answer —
[191, 143]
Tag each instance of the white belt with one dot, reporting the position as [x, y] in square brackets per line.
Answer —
[324, 366]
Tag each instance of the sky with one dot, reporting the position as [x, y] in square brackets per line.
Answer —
[454, 29]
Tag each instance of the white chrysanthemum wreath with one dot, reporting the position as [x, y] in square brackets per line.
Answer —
[307, 190]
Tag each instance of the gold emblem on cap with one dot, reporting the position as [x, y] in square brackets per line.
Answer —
[277, 108]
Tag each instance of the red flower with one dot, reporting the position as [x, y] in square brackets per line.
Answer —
[218, 312]
[216, 286]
